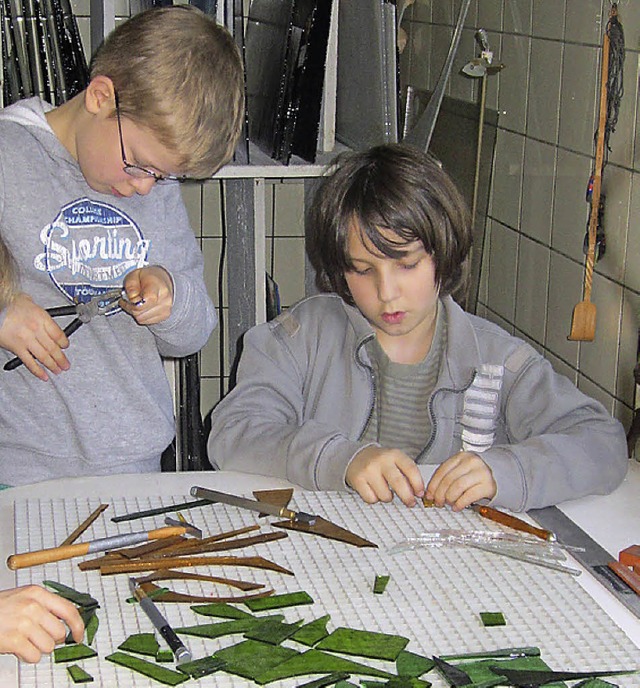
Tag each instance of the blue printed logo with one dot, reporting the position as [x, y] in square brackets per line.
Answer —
[89, 248]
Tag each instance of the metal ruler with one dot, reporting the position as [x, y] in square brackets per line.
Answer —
[594, 558]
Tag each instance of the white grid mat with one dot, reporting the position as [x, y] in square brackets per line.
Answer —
[434, 597]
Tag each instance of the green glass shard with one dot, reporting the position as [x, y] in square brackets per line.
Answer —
[79, 675]
[167, 677]
[221, 609]
[92, 628]
[201, 667]
[399, 682]
[493, 619]
[82, 599]
[289, 599]
[217, 630]
[90, 621]
[380, 584]
[312, 632]
[413, 665]
[72, 653]
[317, 662]
[141, 644]
[336, 678]
[480, 673]
[251, 658]
[272, 631]
[164, 657]
[351, 641]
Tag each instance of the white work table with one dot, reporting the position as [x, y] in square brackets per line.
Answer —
[612, 521]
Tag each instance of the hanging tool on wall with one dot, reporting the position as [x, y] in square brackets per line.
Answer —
[478, 68]
[583, 325]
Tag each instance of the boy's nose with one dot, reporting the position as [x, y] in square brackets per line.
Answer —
[387, 288]
[143, 185]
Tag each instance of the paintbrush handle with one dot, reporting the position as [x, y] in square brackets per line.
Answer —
[45, 556]
[512, 522]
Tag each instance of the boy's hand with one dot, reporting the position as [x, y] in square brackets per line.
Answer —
[151, 288]
[377, 473]
[461, 480]
[34, 337]
[31, 622]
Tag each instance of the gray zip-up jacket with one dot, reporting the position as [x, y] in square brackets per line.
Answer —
[112, 411]
[305, 390]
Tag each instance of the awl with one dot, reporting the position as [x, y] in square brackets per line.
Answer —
[253, 504]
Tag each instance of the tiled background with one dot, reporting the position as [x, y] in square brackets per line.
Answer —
[532, 273]
[546, 97]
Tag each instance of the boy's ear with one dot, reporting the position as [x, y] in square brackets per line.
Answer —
[100, 94]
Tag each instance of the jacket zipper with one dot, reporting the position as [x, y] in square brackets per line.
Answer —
[360, 362]
[432, 415]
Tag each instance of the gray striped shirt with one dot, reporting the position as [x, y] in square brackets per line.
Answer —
[400, 418]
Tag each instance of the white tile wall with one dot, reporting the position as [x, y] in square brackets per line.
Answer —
[547, 103]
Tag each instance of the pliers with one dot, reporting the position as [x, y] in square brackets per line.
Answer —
[84, 312]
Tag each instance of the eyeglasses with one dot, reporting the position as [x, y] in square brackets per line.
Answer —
[137, 171]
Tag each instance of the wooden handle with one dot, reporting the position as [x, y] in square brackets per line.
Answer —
[513, 522]
[44, 556]
[597, 173]
[166, 532]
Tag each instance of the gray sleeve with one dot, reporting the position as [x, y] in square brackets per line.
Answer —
[260, 426]
[562, 444]
[193, 316]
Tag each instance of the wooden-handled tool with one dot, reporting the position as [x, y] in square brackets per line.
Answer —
[513, 522]
[583, 323]
[45, 556]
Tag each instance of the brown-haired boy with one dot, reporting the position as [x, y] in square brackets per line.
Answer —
[384, 378]
[89, 203]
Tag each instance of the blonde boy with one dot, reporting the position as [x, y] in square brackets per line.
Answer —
[90, 203]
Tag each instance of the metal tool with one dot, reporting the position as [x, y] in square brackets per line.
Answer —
[84, 312]
[253, 504]
[181, 522]
[593, 557]
[160, 510]
[44, 556]
[160, 623]
[524, 678]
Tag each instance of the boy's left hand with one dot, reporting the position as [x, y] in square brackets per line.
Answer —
[461, 480]
[151, 288]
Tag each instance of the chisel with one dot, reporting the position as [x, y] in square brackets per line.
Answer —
[253, 504]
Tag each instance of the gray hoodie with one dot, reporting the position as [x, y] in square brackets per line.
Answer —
[305, 390]
[112, 411]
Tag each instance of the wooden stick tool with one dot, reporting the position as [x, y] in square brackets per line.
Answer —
[513, 522]
[45, 556]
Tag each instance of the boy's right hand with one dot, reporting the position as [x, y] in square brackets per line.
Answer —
[377, 473]
[34, 337]
[31, 622]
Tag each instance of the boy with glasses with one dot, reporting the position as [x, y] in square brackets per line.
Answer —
[89, 203]
[384, 378]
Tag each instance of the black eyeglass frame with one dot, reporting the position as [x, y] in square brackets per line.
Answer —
[137, 171]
